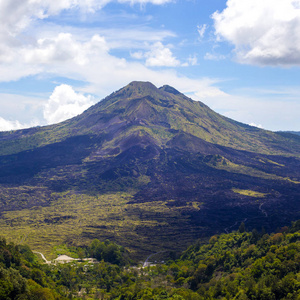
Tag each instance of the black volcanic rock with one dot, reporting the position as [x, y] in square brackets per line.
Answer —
[158, 146]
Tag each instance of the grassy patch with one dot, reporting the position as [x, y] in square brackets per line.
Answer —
[76, 219]
[250, 193]
[221, 163]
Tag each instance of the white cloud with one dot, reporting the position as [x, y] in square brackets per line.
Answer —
[157, 2]
[16, 16]
[262, 32]
[137, 55]
[201, 30]
[65, 103]
[6, 125]
[64, 48]
[85, 56]
[54, 54]
[88, 59]
[160, 56]
[19, 111]
[206, 91]
[192, 60]
[212, 56]
[23, 54]
[256, 125]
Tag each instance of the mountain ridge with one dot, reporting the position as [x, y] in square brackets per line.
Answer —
[140, 91]
[143, 106]
[146, 164]
[165, 108]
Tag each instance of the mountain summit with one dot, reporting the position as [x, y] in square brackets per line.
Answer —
[159, 114]
[163, 113]
[146, 164]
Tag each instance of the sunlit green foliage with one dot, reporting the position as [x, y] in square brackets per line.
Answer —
[22, 277]
[240, 265]
[107, 251]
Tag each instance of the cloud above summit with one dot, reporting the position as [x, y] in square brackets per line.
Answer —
[262, 32]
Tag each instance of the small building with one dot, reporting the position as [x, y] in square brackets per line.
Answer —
[64, 259]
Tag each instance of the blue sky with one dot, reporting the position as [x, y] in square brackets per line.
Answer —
[239, 57]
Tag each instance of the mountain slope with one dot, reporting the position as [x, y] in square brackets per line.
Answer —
[162, 113]
[149, 165]
[288, 133]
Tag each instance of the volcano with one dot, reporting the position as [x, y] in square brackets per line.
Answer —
[148, 168]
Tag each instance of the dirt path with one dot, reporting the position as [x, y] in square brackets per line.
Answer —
[262, 210]
[43, 257]
[146, 262]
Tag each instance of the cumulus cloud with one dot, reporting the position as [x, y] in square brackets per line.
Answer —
[158, 56]
[85, 57]
[6, 125]
[262, 32]
[23, 54]
[18, 15]
[58, 54]
[64, 48]
[162, 56]
[65, 103]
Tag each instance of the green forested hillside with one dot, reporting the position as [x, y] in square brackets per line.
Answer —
[239, 265]
[22, 277]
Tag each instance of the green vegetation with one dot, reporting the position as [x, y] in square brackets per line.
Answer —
[240, 265]
[221, 163]
[147, 168]
[78, 219]
[108, 252]
[22, 277]
[250, 193]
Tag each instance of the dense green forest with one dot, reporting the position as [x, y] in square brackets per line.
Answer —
[238, 265]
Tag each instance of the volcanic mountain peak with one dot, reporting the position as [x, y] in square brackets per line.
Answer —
[143, 88]
[138, 91]
[136, 88]
[147, 165]
[142, 109]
